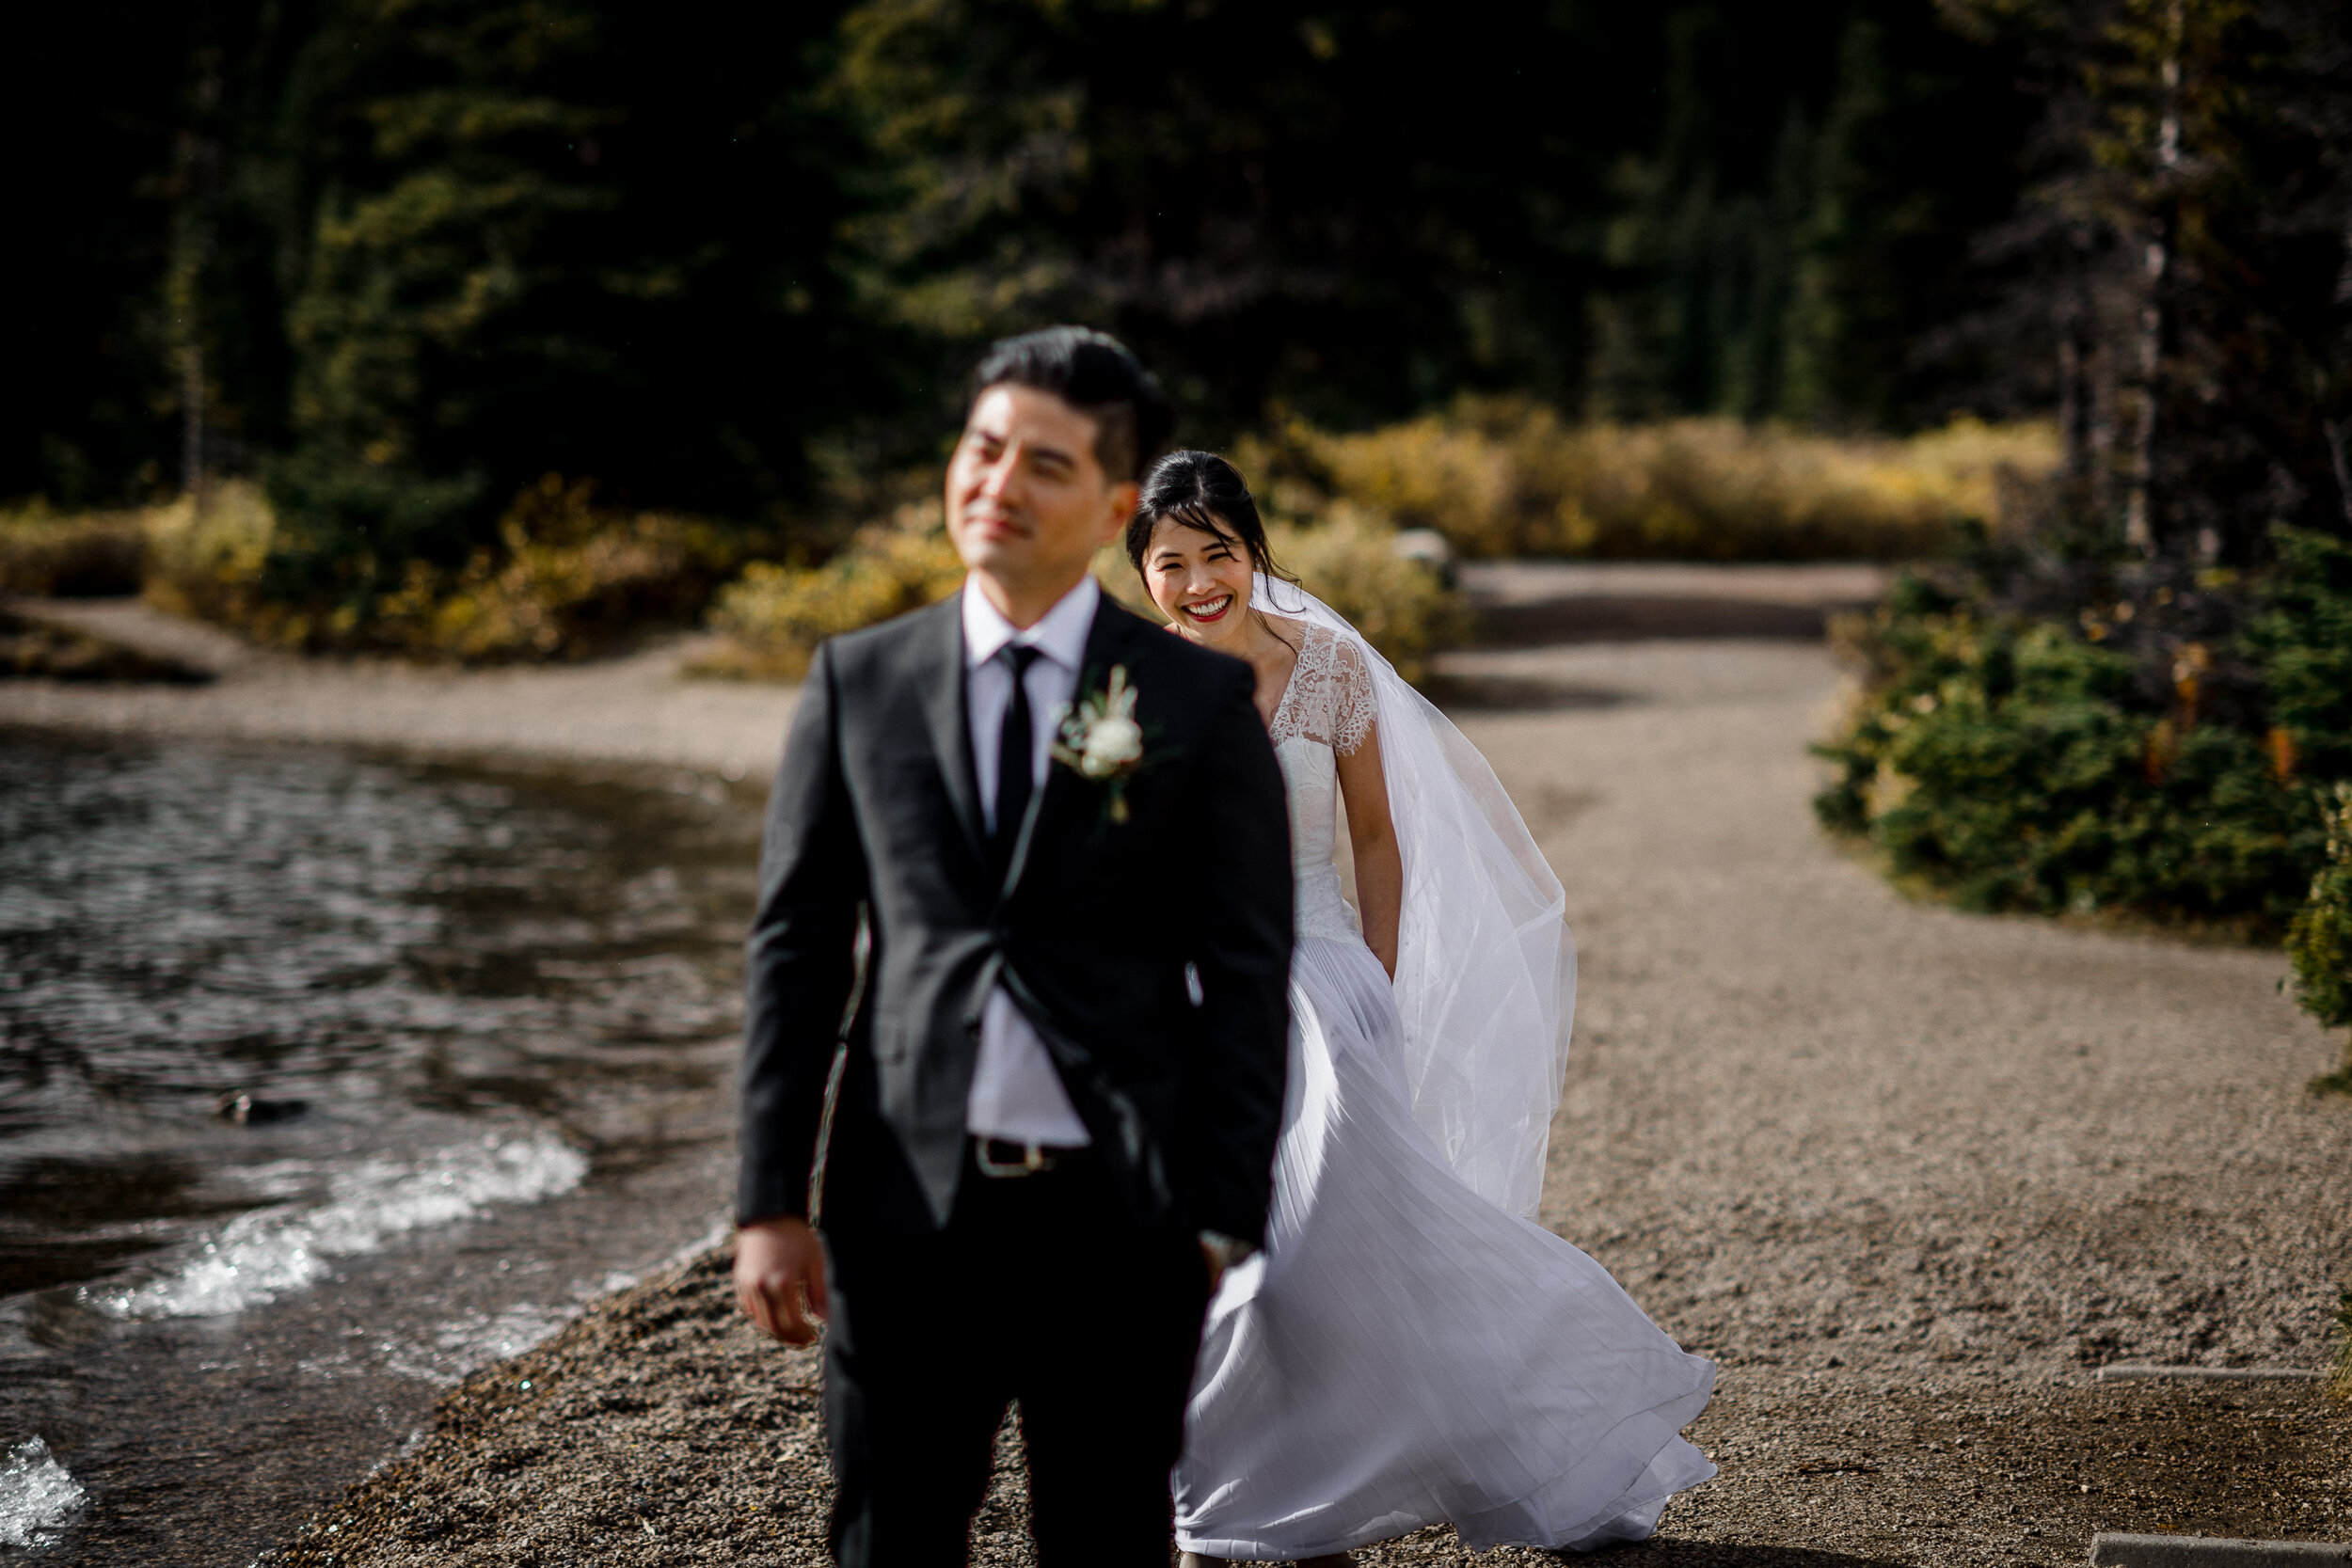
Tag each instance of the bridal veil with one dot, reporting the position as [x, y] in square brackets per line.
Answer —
[1486, 973]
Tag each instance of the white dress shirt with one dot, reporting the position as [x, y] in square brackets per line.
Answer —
[1016, 1094]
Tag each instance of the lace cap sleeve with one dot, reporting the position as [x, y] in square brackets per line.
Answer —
[1355, 707]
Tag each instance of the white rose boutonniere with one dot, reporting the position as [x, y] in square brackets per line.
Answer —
[1101, 742]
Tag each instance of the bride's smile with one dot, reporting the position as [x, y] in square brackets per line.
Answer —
[1201, 570]
[1199, 574]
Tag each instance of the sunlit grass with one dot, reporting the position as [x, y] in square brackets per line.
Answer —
[1504, 477]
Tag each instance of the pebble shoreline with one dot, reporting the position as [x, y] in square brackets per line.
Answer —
[660, 1430]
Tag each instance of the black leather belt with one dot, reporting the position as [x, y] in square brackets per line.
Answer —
[1007, 1158]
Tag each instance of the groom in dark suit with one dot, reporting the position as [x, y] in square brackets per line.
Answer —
[1056, 1092]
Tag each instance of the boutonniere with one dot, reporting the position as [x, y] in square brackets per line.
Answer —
[1101, 742]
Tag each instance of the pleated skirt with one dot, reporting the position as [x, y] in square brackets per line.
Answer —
[1405, 1352]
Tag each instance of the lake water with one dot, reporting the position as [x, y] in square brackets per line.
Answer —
[507, 1006]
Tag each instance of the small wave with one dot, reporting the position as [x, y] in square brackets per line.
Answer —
[476, 1341]
[264, 1255]
[35, 1494]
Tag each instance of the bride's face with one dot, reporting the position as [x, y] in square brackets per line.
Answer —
[1202, 582]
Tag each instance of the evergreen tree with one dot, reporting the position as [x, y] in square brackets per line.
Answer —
[1356, 214]
[578, 237]
[2183, 268]
[1800, 231]
[1351, 211]
[121, 115]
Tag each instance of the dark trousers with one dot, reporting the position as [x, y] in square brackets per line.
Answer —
[1039, 1289]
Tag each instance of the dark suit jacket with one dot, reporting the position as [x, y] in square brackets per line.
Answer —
[1090, 931]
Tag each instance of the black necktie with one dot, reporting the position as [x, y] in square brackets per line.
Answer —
[1015, 757]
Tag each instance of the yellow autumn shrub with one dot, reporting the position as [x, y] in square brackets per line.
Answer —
[772, 617]
[1505, 477]
[565, 579]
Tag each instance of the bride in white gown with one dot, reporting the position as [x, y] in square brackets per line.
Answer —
[1411, 1347]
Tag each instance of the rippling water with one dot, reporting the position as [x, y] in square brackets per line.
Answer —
[497, 1013]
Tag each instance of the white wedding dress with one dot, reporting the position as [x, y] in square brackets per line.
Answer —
[1404, 1351]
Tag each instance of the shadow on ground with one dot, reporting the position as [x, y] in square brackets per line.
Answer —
[1612, 618]
[1498, 693]
[1720, 1554]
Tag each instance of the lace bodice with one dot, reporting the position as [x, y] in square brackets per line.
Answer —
[1327, 712]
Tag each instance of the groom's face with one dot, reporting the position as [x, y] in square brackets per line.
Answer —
[1029, 503]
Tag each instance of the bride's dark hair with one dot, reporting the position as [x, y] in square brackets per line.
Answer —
[1205, 493]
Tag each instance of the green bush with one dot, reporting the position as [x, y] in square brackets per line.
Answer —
[2304, 640]
[71, 555]
[1505, 477]
[2319, 944]
[2018, 763]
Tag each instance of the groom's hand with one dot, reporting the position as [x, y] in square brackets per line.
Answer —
[780, 1277]
[1221, 1252]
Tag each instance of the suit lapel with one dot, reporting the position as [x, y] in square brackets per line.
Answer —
[944, 706]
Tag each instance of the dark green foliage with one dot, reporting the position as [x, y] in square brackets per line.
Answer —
[1787, 247]
[2019, 764]
[97, 96]
[2304, 641]
[2319, 944]
[2004, 762]
[2307, 641]
[577, 238]
[1356, 213]
[2140, 702]
[2176, 267]
[404, 258]
[449, 246]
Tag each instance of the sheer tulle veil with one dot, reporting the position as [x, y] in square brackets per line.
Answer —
[1486, 973]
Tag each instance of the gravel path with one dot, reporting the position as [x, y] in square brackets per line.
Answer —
[1910, 1176]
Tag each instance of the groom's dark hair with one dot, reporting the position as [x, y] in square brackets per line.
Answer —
[1093, 373]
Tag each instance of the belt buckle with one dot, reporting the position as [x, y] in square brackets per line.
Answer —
[1033, 1160]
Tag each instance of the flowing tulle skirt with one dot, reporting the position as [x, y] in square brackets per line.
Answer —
[1405, 1352]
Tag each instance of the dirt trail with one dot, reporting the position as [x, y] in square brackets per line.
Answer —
[1910, 1176]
